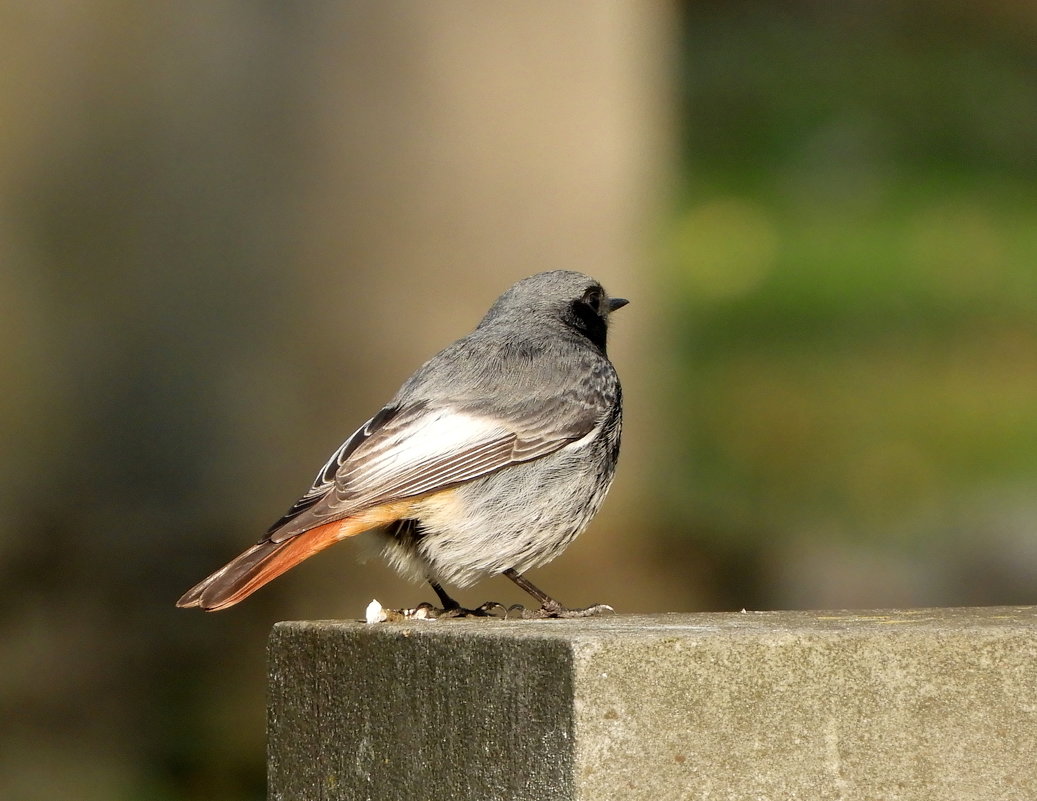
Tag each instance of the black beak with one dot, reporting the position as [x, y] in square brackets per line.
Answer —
[617, 303]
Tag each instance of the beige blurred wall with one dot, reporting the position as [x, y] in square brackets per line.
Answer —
[455, 148]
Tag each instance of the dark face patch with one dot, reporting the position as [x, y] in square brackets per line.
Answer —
[589, 315]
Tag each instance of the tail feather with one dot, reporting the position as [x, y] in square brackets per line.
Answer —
[268, 558]
[263, 562]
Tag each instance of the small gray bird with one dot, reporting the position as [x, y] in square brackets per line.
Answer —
[491, 458]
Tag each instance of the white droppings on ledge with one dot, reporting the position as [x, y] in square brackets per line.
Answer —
[375, 613]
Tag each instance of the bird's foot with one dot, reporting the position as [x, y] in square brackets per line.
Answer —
[554, 610]
[488, 609]
[376, 613]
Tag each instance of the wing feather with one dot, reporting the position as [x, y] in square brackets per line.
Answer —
[414, 447]
[325, 479]
[411, 453]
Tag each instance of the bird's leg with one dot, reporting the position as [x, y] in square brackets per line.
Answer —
[549, 607]
[448, 602]
[452, 608]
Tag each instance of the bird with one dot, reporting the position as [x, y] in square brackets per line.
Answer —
[489, 460]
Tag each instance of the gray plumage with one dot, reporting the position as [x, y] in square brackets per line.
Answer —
[521, 419]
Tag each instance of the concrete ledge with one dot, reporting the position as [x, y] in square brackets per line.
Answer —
[927, 704]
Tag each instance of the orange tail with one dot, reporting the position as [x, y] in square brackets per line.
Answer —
[263, 562]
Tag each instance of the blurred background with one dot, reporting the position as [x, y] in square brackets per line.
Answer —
[229, 230]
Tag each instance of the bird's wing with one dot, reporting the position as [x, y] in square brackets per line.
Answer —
[406, 452]
[324, 482]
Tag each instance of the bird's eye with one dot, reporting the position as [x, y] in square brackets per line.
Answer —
[592, 297]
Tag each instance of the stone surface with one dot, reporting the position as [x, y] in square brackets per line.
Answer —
[926, 704]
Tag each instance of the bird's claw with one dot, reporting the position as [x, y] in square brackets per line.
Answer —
[376, 613]
[485, 610]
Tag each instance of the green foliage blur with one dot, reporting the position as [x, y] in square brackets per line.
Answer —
[853, 269]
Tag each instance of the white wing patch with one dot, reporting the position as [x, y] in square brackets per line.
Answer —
[436, 449]
[587, 438]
